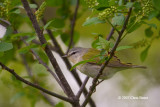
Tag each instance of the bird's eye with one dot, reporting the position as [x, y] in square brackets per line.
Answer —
[73, 53]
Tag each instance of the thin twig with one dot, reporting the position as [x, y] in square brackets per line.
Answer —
[68, 64]
[48, 51]
[82, 87]
[110, 34]
[35, 81]
[113, 26]
[44, 64]
[26, 65]
[73, 72]
[51, 47]
[35, 85]
[48, 98]
[92, 88]
[73, 22]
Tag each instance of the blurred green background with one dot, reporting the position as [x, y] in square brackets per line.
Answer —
[132, 83]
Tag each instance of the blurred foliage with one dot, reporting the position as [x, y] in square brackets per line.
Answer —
[96, 12]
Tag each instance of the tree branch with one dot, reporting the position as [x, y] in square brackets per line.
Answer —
[92, 88]
[82, 87]
[110, 34]
[44, 64]
[113, 26]
[35, 81]
[35, 85]
[73, 22]
[47, 50]
[68, 64]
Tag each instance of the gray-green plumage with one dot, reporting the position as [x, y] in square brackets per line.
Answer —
[91, 69]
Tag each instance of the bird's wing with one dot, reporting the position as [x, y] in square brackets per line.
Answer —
[114, 62]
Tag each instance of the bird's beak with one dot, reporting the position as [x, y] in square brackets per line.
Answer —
[65, 55]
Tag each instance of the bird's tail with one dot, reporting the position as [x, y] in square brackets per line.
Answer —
[139, 66]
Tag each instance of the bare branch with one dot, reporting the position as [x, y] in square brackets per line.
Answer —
[73, 22]
[35, 81]
[106, 62]
[26, 65]
[35, 85]
[82, 87]
[68, 64]
[110, 34]
[113, 26]
[47, 50]
[44, 64]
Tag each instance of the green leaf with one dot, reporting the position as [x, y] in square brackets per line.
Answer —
[43, 56]
[102, 4]
[26, 49]
[123, 47]
[21, 34]
[156, 4]
[93, 20]
[95, 44]
[15, 10]
[153, 14]
[8, 55]
[39, 70]
[137, 6]
[60, 104]
[66, 37]
[54, 2]
[118, 20]
[81, 62]
[129, 4]
[57, 23]
[1, 54]
[33, 6]
[17, 96]
[4, 46]
[30, 38]
[47, 24]
[134, 27]
[152, 25]
[104, 43]
[148, 32]
[112, 2]
[121, 2]
[144, 54]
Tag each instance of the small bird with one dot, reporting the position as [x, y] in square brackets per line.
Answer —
[92, 68]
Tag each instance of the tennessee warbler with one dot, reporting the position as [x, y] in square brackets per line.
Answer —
[92, 68]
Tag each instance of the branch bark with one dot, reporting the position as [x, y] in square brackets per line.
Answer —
[73, 22]
[110, 34]
[52, 59]
[82, 87]
[92, 88]
[35, 81]
[35, 85]
[68, 64]
[45, 65]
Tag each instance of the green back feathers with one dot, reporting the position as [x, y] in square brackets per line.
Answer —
[94, 54]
